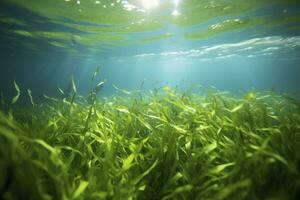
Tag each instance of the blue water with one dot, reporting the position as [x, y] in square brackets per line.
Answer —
[255, 57]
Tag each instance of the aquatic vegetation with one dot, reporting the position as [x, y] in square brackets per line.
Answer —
[164, 144]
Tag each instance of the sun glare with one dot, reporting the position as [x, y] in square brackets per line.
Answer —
[149, 4]
[175, 13]
[176, 3]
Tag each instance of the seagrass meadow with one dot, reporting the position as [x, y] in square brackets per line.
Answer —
[149, 99]
[159, 145]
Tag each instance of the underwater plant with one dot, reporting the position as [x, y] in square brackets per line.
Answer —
[158, 145]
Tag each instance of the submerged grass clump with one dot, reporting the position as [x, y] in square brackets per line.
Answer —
[157, 145]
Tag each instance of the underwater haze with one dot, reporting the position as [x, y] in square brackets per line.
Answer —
[231, 45]
[149, 99]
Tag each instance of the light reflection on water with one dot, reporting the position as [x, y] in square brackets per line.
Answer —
[171, 41]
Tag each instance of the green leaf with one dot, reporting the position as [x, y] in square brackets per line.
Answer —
[250, 96]
[29, 92]
[227, 191]
[210, 147]
[16, 98]
[146, 124]
[221, 167]
[179, 129]
[169, 91]
[96, 72]
[127, 163]
[123, 110]
[179, 190]
[122, 90]
[81, 188]
[237, 108]
[61, 91]
[278, 157]
[99, 87]
[45, 145]
[139, 178]
[73, 85]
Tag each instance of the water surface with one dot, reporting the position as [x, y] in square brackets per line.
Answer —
[232, 45]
